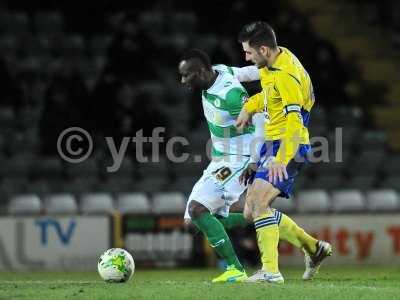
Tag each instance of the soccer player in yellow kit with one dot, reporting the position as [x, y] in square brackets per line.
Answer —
[286, 100]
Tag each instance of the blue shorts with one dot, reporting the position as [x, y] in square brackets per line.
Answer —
[270, 148]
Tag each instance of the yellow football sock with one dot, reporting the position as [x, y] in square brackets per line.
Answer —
[267, 239]
[291, 232]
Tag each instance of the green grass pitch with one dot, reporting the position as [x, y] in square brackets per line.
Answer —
[332, 283]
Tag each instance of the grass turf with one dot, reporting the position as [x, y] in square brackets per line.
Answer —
[332, 283]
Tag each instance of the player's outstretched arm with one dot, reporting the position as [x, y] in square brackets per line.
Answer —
[246, 74]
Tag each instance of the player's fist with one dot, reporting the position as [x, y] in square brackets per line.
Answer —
[242, 120]
[248, 173]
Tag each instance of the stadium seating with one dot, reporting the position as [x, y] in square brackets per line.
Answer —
[60, 204]
[74, 45]
[374, 140]
[94, 203]
[302, 183]
[313, 201]
[184, 184]
[391, 165]
[17, 22]
[319, 115]
[124, 170]
[24, 204]
[391, 182]
[87, 168]
[79, 185]
[382, 200]
[48, 22]
[361, 182]
[189, 169]
[330, 167]
[348, 201]
[17, 166]
[169, 203]
[347, 116]
[154, 169]
[133, 203]
[366, 163]
[7, 115]
[327, 182]
[45, 168]
[152, 184]
[99, 43]
[198, 140]
[117, 185]
[39, 187]
[39, 45]
[12, 186]
[317, 131]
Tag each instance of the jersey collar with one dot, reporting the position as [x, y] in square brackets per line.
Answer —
[279, 60]
[216, 82]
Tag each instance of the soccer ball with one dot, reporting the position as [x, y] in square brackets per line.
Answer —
[116, 265]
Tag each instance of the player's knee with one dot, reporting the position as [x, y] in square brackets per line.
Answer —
[257, 199]
[259, 210]
[196, 209]
[253, 195]
[264, 193]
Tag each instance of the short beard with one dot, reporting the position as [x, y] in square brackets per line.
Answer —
[263, 63]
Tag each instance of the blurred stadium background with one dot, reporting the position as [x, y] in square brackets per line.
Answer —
[112, 70]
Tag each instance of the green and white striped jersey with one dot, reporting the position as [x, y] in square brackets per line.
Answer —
[222, 103]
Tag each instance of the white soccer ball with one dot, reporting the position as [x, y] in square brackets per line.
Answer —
[116, 265]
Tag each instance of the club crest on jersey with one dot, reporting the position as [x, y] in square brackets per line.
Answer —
[266, 116]
[217, 102]
[245, 98]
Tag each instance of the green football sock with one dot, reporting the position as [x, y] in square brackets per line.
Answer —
[218, 239]
[234, 220]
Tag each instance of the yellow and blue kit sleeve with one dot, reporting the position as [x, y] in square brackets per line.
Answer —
[292, 99]
[255, 103]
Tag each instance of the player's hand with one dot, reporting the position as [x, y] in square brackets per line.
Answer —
[247, 173]
[242, 120]
[277, 171]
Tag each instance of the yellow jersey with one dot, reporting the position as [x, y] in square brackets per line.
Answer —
[286, 99]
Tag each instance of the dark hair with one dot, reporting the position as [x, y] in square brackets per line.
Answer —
[200, 56]
[258, 34]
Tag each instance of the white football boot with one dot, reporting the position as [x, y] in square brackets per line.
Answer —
[313, 262]
[264, 276]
